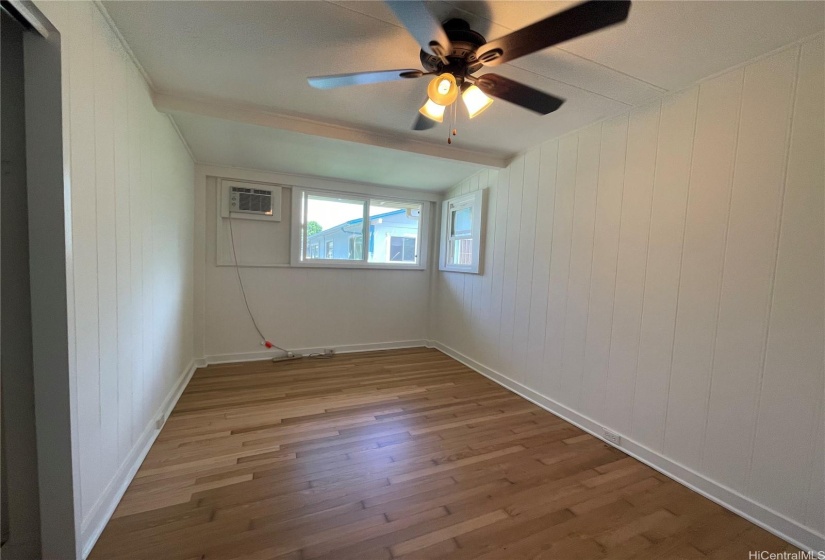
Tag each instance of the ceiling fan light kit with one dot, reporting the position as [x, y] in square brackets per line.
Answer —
[443, 89]
[475, 100]
[453, 52]
[433, 111]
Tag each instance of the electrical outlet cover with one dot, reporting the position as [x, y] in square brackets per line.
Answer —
[612, 437]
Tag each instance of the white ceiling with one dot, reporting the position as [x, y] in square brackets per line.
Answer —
[234, 144]
[257, 55]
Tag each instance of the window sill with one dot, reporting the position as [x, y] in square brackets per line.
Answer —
[324, 265]
[361, 266]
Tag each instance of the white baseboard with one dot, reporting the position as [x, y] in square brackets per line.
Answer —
[105, 506]
[346, 349]
[803, 537]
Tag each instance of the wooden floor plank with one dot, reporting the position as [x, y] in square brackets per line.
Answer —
[397, 454]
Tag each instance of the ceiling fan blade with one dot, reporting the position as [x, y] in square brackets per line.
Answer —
[518, 93]
[361, 78]
[422, 25]
[574, 22]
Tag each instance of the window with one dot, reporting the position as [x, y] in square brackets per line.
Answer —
[320, 212]
[348, 230]
[402, 249]
[460, 247]
[356, 247]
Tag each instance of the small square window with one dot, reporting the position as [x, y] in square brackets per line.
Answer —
[402, 249]
[461, 233]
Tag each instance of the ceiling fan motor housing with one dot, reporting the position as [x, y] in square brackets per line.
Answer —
[462, 61]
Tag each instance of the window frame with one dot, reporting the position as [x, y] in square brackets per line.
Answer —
[402, 238]
[474, 200]
[298, 244]
[352, 245]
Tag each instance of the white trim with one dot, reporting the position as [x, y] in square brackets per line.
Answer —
[345, 349]
[102, 510]
[296, 227]
[800, 536]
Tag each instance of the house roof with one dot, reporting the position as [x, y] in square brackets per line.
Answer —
[358, 221]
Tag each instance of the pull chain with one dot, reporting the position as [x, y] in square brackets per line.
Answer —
[449, 117]
[454, 117]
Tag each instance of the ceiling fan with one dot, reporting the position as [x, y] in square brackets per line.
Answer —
[453, 52]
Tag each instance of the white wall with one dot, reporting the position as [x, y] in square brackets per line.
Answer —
[130, 257]
[298, 308]
[661, 273]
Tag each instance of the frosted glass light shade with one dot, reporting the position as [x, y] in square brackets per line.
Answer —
[443, 89]
[433, 111]
[475, 101]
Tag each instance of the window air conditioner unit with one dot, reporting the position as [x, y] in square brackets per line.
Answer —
[250, 201]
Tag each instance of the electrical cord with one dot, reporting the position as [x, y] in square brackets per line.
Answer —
[243, 291]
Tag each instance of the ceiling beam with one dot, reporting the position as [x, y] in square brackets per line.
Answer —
[167, 103]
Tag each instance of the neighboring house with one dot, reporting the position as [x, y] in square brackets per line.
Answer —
[393, 238]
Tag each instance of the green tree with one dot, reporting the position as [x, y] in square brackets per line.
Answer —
[314, 227]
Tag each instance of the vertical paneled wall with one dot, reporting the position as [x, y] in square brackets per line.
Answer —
[662, 274]
[130, 258]
[297, 307]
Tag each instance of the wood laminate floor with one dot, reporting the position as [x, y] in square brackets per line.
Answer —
[398, 454]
